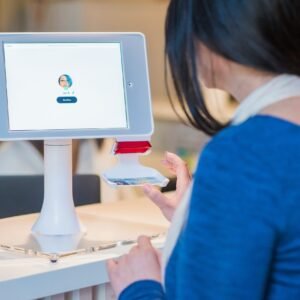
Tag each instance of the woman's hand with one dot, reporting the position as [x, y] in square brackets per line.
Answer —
[142, 263]
[168, 204]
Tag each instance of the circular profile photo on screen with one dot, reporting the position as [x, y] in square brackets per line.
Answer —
[65, 81]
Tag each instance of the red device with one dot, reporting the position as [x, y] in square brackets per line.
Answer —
[131, 147]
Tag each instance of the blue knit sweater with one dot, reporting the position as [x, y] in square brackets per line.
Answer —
[242, 237]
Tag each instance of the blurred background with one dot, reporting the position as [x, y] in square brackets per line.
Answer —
[146, 16]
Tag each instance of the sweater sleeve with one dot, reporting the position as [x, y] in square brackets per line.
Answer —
[226, 247]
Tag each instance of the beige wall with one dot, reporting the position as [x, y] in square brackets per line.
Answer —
[12, 15]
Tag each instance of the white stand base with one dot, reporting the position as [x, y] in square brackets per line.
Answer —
[58, 215]
[56, 243]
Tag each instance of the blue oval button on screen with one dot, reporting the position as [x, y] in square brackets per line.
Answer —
[66, 100]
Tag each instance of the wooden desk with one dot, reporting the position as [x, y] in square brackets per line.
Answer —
[80, 277]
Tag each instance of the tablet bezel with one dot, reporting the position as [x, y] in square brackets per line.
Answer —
[136, 86]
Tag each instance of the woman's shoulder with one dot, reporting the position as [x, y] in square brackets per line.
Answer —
[260, 128]
[260, 138]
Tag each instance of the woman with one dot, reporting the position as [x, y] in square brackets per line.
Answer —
[237, 236]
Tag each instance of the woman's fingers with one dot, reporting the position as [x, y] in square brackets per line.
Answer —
[181, 170]
[111, 265]
[171, 161]
[166, 205]
[144, 242]
[156, 196]
[177, 166]
[159, 255]
[140, 264]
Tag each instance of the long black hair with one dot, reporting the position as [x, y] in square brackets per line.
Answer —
[262, 34]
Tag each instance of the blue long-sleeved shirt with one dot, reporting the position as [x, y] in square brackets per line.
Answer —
[241, 240]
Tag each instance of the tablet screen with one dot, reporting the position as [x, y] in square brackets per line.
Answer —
[59, 86]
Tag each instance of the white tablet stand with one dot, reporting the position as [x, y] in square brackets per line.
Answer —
[58, 215]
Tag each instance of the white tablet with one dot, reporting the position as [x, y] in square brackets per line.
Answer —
[74, 85]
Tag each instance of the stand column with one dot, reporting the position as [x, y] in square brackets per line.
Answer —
[58, 215]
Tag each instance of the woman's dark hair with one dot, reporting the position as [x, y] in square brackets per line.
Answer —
[262, 34]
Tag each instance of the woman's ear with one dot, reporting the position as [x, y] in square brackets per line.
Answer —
[204, 64]
[210, 66]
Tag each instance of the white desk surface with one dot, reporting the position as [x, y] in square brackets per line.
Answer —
[24, 277]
